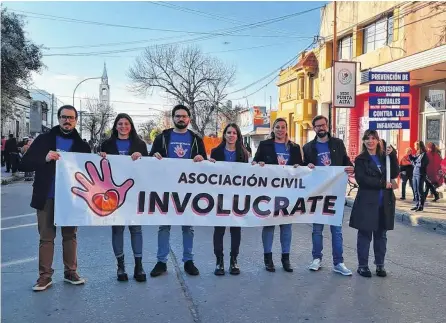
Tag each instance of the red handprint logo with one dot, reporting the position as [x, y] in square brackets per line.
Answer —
[180, 151]
[281, 161]
[102, 195]
[326, 160]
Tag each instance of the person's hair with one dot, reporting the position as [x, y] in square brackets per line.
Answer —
[133, 134]
[68, 107]
[421, 147]
[3, 137]
[319, 117]
[408, 150]
[11, 135]
[374, 134]
[240, 149]
[432, 147]
[180, 107]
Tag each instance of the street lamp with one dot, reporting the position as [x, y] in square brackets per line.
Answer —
[90, 78]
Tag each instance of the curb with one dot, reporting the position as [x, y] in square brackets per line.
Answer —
[12, 179]
[412, 220]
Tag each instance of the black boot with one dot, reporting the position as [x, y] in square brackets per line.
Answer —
[286, 262]
[139, 274]
[219, 267]
[234, 269]
[122, 275]
[269, 265]
[380, 271]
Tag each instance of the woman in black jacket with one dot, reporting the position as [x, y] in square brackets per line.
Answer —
[419, 162]
[278, 150]
[373, 211]
[231, 149]
[125, 141]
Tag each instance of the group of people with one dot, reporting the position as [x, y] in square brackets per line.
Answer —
[372, 214]
[423, 171]
[12, 152]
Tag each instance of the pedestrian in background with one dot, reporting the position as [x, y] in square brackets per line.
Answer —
[278, 150]
[177, 142]
[125, 141]
[3, 150]
[11, 154]
[23, 150]
[231, 149]
[433, 177]
[419, 162]
[406, 173]
[326, 150]
[41, 158]
[373, 212]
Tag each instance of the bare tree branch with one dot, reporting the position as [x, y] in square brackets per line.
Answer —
[97, 118]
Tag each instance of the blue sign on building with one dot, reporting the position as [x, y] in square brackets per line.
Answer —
[388, 100]
[388, 76]
[388, 113]
[389, 125]
[389, 88]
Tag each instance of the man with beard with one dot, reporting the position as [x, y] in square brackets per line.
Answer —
[177, 142]
[41, 158]
[326, 150]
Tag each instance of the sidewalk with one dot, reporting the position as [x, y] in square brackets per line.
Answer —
[433, 217]
[7, 178]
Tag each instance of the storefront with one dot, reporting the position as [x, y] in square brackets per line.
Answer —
[255, 126]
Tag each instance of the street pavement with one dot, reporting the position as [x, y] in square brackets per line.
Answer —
[414, 291]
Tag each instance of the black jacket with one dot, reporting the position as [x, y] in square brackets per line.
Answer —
[218, 153]
[34, 160]
[365, 213]
[161, 144]
[109, 147]
[11, 146]
[419, 163]
[266, 152]
[338, 153]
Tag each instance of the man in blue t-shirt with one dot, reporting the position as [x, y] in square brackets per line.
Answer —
[177, 142]
[41, 158]
[326, 150]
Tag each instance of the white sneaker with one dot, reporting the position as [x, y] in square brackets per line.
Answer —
[342, 269]
[315, 265]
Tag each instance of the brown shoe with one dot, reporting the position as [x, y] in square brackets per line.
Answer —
[42, 284]
[74, 279]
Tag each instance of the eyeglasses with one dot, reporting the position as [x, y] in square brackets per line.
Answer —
[71, 118]
[181, 117]
[321, 126]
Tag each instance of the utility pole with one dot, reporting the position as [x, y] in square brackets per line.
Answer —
[52, 110]
[335, 58]
[270, 103]
[80, 117]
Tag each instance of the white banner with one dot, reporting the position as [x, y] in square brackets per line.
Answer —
[344, 84]
[91, 191]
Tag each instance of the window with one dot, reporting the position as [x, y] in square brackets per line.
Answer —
[345, 48]
[378, 34]
[44, 115]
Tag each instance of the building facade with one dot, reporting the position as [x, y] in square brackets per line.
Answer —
[298, 93]
[19, 123]
[388, 36]
[39, 122]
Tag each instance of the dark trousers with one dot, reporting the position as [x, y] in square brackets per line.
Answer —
[405, 179]
[8, 162]
[3, 158]
[379, 246]
[430, 187]
[219, 232]
[13, 162]
[47, 232]
[418, 187]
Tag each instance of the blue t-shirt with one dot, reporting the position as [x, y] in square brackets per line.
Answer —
[123, 146]
[378, 164]
[62, 145]
[323, 154]
[283, 155]
[230, 155]
[180, 145]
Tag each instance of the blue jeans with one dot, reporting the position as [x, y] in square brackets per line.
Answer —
[285, 238]
[164, 244]
[336, 242]
[379, 247]
[418, 187]
[118, 240]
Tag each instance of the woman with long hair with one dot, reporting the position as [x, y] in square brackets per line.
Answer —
[278, 150]
[125, 141]
[419, 162]
[433, 171]
[373, 212]
[406, 173]
[231, 149]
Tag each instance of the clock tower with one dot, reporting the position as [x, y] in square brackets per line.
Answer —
[104, 88]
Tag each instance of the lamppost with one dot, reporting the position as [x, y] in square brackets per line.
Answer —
[80, 108]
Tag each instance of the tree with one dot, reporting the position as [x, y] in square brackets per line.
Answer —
[146, 128]
[97, 118]
[19, 57]
[186, 75]
[155, 132]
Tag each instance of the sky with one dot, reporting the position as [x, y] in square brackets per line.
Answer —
[284, 40]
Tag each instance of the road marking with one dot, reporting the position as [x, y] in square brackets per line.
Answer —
[18, 216]
[18, 262]
[20, 226]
